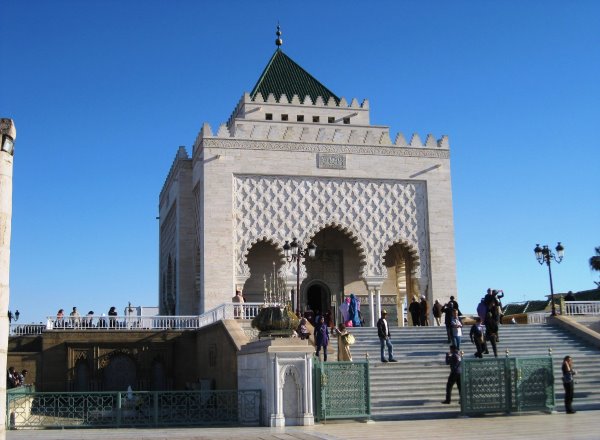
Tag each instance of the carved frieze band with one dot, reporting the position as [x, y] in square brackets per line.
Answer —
[325, 148]
[375, 213]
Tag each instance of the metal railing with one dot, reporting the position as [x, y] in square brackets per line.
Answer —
[537, 318]
[134, 409]
[581, 307]
[341, 390]
[125, 323]
[511, 384]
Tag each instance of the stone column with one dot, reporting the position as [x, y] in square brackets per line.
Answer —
[7, 136]
[372, 308]
[374, 286]
[378, 293]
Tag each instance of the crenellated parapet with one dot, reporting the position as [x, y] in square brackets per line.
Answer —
[363, 136]
[241, 111]
[292, 120]
[286, 119]
[180, 156]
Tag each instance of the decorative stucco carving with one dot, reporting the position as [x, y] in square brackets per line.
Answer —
[325, 148]
[376, 214]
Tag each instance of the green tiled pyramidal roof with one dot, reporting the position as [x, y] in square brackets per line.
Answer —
[284, 75]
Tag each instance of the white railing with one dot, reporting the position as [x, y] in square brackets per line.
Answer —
[125, 323]
[26, 329]
[537, 318]
[581, 307]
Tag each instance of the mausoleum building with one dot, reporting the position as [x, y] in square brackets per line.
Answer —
[295, 160]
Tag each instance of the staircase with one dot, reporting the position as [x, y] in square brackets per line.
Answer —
[414, 387]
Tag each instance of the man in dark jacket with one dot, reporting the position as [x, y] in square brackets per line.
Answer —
[383, 331]
[454, 359]
[415, 312]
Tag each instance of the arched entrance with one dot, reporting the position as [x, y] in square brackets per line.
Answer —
[318, 297]
[401, 284]
[120, 373]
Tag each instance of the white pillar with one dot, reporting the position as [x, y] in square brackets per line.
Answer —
[378, 292]
[7, 129]
[372, 308]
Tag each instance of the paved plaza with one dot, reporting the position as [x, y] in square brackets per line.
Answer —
[583, 425]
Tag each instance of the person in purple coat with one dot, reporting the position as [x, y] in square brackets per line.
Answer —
[322, 337]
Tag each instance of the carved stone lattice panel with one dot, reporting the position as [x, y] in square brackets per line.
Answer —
[376, 214]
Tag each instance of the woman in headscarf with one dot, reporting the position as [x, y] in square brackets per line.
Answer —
[344, 340]
[353, 311]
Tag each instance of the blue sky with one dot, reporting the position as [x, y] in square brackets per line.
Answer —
[103, 93]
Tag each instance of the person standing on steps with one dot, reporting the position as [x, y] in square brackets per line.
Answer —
[454, 359]
[383, 331]
[415, 312]
[322, 337]
[568, 383]
[344, 340]
[447, 309]
[477, 335]
[491, 333]
[437, 312]
[456, 326]
[424, 312]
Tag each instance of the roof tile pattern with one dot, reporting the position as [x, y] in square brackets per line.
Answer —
[284, 76]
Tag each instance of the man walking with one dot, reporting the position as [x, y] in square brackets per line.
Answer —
[383, 331]
[454, 359]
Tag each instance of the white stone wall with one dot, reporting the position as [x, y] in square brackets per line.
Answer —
[426, 170]
[267, 180]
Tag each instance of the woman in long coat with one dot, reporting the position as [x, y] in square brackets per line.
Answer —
[322, 337]
[343, 343]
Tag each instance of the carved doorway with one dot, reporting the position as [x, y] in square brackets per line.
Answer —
[318, 297]
[119, 374]
[82, 376]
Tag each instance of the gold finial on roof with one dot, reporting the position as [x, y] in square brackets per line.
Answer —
[279, 41]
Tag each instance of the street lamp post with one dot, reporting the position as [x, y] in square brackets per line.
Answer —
[294, 252]
[13, 317]
[545, 255]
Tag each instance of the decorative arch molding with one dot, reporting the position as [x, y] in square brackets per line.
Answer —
[277, 246]
[408, 247]
[350, 233]
[107, 358]
[290, 372]
[373, 213]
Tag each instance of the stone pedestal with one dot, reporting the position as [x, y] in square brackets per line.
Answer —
[282, 370]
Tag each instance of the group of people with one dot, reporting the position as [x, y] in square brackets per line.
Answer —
[15, 379]
[322, 332]
[419, 312]
[350, 311]
[485, 329]
[75, 320]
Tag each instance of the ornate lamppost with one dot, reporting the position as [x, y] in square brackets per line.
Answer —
[13, 317]
[545, 255]
[294, 252]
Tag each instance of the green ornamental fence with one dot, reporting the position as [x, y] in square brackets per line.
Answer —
[507, 385]
[341, 390]
[132, 409]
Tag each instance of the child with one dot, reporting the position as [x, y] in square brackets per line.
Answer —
[477, 335]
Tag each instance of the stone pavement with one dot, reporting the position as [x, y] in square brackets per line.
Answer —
[583, 425]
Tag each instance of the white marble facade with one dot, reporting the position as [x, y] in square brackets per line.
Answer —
[274, 172]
